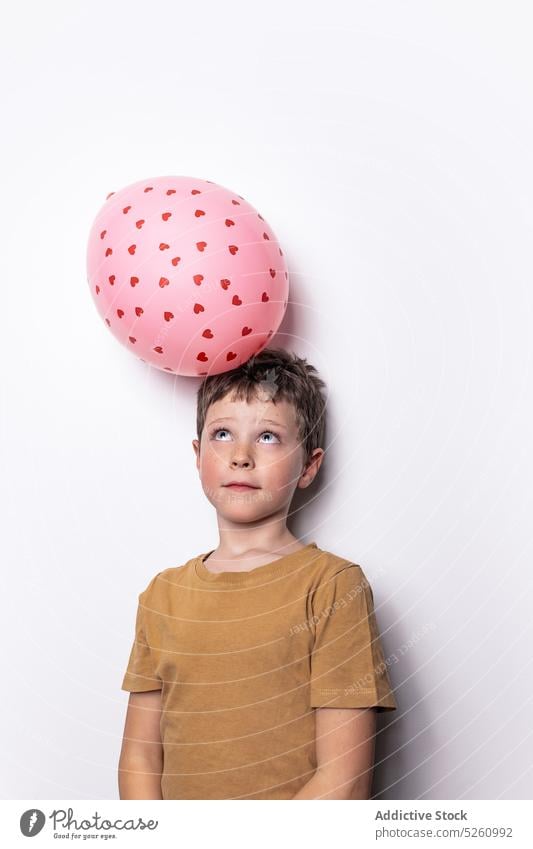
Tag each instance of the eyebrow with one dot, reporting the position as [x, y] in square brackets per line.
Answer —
[230, 419]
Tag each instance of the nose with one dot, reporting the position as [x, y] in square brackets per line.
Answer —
[241, 457]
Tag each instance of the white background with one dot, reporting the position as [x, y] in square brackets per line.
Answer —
[389, 146]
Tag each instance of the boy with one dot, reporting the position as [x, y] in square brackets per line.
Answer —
[257, 669]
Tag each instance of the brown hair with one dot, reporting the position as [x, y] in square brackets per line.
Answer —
[282, 375]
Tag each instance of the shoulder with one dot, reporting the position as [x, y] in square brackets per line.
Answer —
[330, 566]
[335, 575]
[163, 581]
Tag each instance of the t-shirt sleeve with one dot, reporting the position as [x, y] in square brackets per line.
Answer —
[348, 668]
[140, 672]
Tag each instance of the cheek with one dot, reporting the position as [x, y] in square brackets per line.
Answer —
[212, 458]
[282, 469]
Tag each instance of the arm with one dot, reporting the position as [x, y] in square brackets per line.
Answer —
[141, 757]
[345, 739]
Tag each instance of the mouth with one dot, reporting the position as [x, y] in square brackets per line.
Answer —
[240, 487]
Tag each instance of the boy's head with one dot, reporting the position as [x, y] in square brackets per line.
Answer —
[274, 394]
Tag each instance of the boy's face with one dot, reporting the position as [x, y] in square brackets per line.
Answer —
[239, 444]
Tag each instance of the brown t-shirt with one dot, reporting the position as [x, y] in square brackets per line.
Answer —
[242, 658]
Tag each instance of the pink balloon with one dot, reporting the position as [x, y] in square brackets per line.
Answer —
[186, 274]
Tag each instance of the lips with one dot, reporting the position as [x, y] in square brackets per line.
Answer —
[240, 485]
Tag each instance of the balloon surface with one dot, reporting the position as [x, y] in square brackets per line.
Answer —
[186, 274]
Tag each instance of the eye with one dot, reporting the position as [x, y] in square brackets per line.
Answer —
[217, 430]
[271, 433]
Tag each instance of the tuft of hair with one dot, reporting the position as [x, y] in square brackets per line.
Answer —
[281, 375]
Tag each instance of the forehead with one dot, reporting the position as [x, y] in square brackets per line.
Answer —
[255, 411]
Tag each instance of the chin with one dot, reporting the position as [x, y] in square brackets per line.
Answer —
[245, 499]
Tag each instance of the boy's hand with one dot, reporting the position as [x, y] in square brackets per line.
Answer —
[345, 741]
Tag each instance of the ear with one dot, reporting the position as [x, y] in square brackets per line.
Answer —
[311, 468]
[196, 446]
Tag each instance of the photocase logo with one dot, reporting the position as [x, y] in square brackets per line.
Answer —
[31, 822]
[65, 824]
